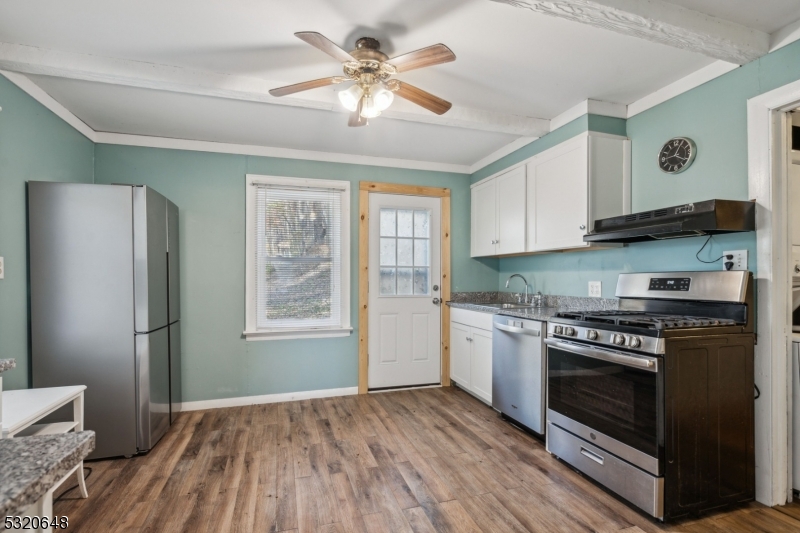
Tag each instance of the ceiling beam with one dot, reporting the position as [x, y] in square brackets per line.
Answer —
[46, 62]
[660, 22]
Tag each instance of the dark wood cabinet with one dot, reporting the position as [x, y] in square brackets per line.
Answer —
[709, 423]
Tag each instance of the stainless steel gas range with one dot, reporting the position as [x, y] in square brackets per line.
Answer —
[655, 400]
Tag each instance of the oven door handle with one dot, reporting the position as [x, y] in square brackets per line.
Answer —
[514, 329]
[649, 364]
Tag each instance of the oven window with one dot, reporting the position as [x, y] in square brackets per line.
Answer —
[617, 400]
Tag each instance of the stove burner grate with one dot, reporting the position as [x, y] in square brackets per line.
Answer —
[645, 320]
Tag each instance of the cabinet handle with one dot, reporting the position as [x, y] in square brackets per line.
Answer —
[582, 226]
[470, 340]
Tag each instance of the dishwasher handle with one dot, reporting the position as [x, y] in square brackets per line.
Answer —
[522, 331]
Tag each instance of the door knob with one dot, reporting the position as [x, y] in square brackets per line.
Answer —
[582, 226]
[436, 301]
[435, 287]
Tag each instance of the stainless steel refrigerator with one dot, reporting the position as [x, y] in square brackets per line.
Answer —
[105, 306]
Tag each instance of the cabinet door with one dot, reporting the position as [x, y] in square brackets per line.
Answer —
[481, 364]
[511, 211]
[460, 347]
[557, 193]
[484, 219]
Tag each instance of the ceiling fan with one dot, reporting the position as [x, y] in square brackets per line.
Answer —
[371, 70]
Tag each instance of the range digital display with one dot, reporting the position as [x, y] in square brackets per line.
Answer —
[670, 284]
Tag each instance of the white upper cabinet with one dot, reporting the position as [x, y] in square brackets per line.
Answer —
[558, 197]
[550, 201]
[511, 207]
[498, 215]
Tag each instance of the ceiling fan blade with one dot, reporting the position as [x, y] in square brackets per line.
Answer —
[356, 119]
[424, 57]
[422, 98]
[317, 40]
[305, 86]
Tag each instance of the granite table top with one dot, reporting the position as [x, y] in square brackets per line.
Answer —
[475, 301]
[30, 466]
[7, 364]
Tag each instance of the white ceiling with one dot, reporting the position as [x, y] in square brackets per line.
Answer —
[765, 15]
[509, 60]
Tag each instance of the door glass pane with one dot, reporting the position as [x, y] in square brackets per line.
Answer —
[387, 223]
[421, 257]
[387, 252]
[421, 226]
[404, 252]
[387, 281]
[421, 281]
[404, 223]
[404, 282]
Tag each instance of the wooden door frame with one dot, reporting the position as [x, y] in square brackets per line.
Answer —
[366, 187]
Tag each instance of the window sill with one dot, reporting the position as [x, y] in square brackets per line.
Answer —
[287, 334]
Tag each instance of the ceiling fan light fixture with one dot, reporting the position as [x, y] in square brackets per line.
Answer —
[382, 96]
[368, 107]
[350, 97]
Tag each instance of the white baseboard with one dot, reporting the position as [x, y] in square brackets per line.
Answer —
[267, 398]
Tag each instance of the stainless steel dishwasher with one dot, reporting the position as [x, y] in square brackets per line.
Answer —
[518, 371]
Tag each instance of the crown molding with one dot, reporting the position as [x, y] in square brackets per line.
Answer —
[593, 107]
[124, 139]
[36, 92]
[695, 79]
[500, 153]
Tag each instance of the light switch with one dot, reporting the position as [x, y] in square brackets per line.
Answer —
[595, 289]
[2, 268]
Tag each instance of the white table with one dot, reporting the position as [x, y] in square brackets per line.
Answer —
[22, 409]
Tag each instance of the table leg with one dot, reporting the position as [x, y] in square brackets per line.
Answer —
[44, 507]
[77, 414]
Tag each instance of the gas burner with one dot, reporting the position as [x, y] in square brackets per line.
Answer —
[639, 319]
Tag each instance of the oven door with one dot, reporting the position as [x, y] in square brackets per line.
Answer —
[610, 398]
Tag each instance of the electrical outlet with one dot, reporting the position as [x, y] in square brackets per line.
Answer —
[595, 289]
[734, 260]
[2, 268]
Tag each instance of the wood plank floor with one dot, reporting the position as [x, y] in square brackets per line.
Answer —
[411, 461]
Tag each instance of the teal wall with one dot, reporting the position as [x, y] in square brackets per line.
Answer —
[34, 145]
[714, 115]
[209, 189]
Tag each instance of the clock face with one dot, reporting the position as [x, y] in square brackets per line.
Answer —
[676, 155]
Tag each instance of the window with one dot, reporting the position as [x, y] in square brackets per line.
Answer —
[297, 264]
[405, 252]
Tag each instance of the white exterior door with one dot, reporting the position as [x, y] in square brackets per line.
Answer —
[404, 278]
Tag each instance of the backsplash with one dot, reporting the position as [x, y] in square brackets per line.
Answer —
[550, 300]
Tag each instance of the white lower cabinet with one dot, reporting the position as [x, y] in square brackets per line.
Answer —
[471, 353]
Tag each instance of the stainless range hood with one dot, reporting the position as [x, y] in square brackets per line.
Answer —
[710, 217]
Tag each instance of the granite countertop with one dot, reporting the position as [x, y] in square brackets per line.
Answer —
[7, 364]
[30, 466]
[532, 313]
[474, 301]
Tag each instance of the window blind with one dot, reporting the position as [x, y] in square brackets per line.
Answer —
[298, 257]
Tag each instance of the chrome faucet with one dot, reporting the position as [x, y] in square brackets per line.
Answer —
[525, 301]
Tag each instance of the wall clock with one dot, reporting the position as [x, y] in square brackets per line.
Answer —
[677, 155]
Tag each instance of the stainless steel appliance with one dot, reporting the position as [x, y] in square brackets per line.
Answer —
[518, 371]
[709, 217]
[796, 413]
[105, 306]
[656, 400]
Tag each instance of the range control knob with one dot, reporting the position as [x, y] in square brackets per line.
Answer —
[634, 342]
[558, 330]
[591, 335]
[618, 339]
[569, 332]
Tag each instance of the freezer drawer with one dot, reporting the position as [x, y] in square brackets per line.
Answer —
[153, 402]
[518, 372]
[637, 486]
